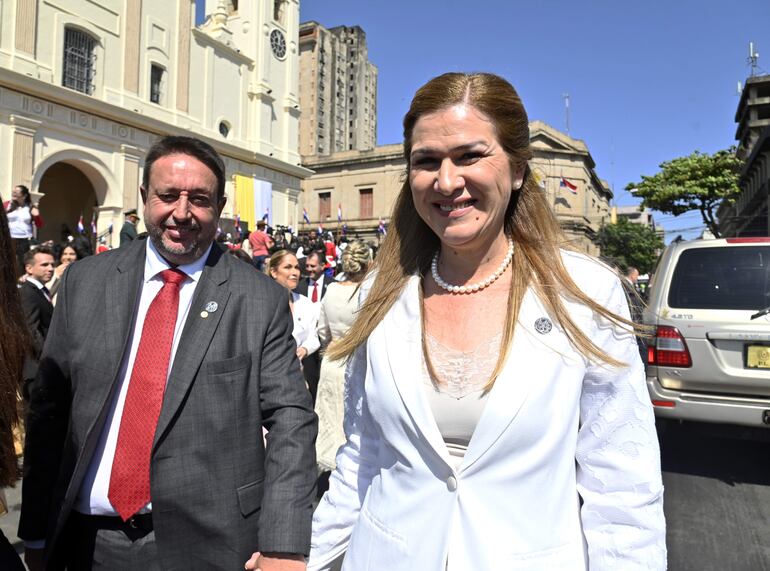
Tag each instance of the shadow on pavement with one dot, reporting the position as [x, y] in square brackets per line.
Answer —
[729, 454]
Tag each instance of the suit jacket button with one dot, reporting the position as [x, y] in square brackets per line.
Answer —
[451, 483]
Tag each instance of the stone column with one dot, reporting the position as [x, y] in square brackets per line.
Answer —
[26, 25]
[23, 150]
[132, 45]
[183, 56]
[131, 181]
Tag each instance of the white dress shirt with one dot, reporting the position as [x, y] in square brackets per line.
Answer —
[92, 498]
[310, 283]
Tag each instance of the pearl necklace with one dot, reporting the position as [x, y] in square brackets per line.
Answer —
[471, 288]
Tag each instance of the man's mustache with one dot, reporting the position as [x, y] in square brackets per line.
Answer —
[190, 226]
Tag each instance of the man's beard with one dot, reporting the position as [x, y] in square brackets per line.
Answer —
[191, 249]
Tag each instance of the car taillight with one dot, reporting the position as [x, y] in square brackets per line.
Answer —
[668, 348]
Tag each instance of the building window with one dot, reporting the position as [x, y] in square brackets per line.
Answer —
[366, 203]
[224, 129]
[278, 10]
[79, 61]
[156, 81]
[324, 205]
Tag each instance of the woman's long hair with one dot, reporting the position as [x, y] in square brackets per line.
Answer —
[13, 205]
[529, 220]
[13, 349]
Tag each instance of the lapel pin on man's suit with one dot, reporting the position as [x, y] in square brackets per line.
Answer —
[211, 307]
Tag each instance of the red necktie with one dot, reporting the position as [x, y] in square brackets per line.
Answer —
[314, 298]
[129, 487]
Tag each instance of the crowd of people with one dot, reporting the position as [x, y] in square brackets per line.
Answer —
[473, 398]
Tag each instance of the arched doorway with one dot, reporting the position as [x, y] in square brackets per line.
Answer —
[67, 195]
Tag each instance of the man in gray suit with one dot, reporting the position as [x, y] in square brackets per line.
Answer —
[164, 361]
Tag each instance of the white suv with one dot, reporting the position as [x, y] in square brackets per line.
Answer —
[709, 307]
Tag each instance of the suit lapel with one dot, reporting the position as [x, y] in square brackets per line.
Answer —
[403, 334]
[123, 287]
[44, 301]
[196, 336]
[511, 388]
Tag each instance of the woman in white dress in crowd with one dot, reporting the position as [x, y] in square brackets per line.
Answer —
[338, 310]
[496, 411]
[284, 268]
[23, 218]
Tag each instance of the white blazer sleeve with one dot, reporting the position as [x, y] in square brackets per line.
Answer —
[336, 515]
[304, 309]
[618, 458]
[311, 342]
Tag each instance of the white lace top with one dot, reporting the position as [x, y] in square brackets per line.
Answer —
[457, 399]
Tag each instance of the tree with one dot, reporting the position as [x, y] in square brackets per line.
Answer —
[697, 182]
[629, 244]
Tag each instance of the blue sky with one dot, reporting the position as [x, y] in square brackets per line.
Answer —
[648, 81]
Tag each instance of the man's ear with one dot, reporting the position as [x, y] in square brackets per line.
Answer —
[143, 192]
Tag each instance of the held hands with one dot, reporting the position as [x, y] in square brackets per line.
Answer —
[276, 562]
[301, 353]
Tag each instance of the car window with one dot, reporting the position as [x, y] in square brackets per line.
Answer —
[722, 278]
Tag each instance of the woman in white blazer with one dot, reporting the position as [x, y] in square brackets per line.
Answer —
[496, 410]
[284, 268]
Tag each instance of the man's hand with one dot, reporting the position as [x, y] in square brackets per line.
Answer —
[275, 562]
[34, 559]
[301, 353]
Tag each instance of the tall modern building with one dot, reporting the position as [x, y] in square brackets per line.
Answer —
[87, 87]
[337, 90]
[749, 215]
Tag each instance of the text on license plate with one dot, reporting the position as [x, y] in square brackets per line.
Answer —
[758, 357]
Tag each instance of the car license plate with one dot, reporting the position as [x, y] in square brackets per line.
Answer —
[758, 357]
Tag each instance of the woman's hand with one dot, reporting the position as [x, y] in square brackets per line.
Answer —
[59, 270]
[301, 353]
[34, 210]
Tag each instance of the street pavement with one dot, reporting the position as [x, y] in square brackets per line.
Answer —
[717, 500]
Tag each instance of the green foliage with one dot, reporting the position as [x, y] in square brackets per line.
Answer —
[697, 182]
[628, 244]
